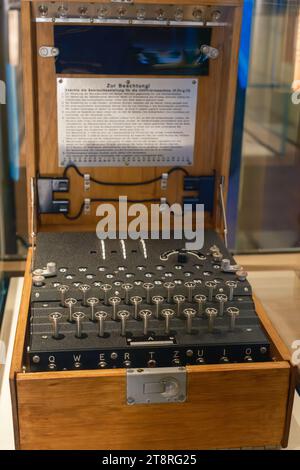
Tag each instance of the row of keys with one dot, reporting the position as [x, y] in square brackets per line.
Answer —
[156, 300]
[148, 289]
[124, 315]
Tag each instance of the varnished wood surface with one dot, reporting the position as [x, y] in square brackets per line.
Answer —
[205, 140]
[30, 104]
[226, 407]
[17, 357]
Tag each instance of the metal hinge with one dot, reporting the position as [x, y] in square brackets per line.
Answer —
[161, 385]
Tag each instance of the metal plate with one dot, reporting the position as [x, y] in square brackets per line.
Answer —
[163, 385]
[127, 12]
[126, 122]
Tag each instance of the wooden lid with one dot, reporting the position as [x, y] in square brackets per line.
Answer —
[214, 120]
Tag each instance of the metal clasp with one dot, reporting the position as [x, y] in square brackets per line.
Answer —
[161, 385]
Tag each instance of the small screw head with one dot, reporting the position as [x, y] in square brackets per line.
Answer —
[38, 281]
[216, 15]
[36, 359]
[200, 360]
[241, 275]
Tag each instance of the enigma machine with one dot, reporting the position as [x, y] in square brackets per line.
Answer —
[129, 113]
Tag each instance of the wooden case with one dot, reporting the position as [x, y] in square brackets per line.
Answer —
[228, 405]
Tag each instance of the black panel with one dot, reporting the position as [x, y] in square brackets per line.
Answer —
[121, 50]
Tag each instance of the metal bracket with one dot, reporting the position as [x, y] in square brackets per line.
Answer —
[48, 271]
[226, 267]
[209, 51]
[87, 206]
[46, 188]
[161, 385]
[205, 187]
[86, 182]
[164, 181]
[48, 51]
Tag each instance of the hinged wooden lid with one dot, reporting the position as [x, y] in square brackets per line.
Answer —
[214, 121]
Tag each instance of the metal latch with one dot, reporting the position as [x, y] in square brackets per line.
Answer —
[161, 385]
[48, 51]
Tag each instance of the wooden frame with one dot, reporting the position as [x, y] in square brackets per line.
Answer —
[228, 405]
